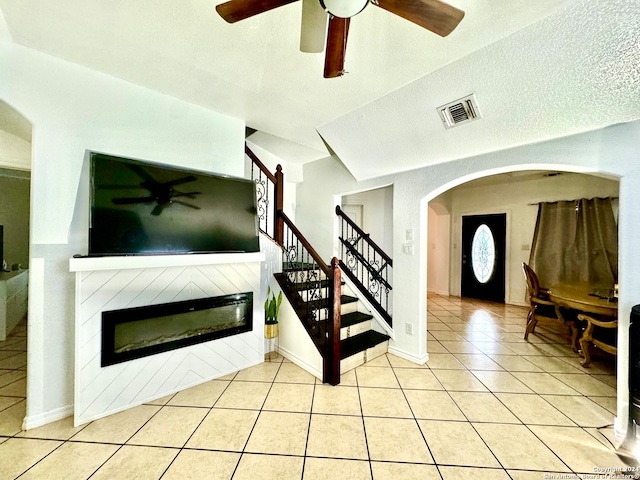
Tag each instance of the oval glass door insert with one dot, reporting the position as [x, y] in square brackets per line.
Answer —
[483, 254]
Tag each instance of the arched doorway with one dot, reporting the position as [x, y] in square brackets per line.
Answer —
[15, 167]
[486, 338]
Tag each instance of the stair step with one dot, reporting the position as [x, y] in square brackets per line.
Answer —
[354, 318]
[358, 343]
[321, 303]
[345, 299]
[311, 285]
[298, 265]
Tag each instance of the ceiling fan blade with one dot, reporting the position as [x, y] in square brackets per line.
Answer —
[434, 15]
[236, 10]
[313, 27]
[336, 47]
[180, 181]
[142, 173]
[159, 208]
[126, 201]
[191, 195]
[186, 204]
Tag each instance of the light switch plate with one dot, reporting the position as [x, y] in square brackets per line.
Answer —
[409, 235]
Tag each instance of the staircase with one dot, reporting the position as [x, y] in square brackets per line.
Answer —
[337, 321]
[359, 343]
[307, 290]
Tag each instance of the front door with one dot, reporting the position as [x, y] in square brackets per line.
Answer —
[483, 256]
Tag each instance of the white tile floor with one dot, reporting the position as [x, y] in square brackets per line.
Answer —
[487, 405]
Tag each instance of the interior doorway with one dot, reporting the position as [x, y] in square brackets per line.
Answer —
[356, 213]
[484, 257]
[372, 211]
[15, 186]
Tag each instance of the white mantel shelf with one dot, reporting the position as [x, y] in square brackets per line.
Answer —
[87, 264]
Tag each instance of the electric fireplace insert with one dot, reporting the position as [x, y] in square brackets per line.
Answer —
[141, 331]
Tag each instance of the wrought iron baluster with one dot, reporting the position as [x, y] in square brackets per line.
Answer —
[366, 264]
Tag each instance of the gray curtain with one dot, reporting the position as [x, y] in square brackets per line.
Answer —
[576, 241]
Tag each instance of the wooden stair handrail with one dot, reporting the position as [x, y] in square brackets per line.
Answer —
[259, 164]
[364, 235]
[331, 353]
[305, 243]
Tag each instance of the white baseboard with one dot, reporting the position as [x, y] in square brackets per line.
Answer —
[313, 370]
[421, 360]
[34, 421]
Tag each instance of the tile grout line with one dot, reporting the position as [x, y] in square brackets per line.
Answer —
[195, 429]
[242, 453]
[527, 425]
[306, 444]
[415, 419]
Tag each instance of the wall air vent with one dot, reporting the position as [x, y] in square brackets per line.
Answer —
[463, 110]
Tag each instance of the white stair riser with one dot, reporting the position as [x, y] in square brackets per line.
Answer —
[313, 294]
[353, 330]
[361, 358]
[345, 308]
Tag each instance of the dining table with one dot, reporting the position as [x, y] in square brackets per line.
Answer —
[584, 298]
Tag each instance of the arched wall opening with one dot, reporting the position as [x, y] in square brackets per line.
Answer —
[517, 196]
[434, 207]
[15, 212]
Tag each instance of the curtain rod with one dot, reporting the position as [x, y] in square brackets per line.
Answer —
[576, 200]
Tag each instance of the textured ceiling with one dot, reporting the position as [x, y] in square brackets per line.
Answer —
[539, 70]
[572, 72]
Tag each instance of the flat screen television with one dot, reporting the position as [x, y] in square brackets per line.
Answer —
[143, 208]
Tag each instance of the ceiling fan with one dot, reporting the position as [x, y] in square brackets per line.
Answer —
[162, 193]
[434, 15]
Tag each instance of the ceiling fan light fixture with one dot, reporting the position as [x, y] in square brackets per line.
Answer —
[344, 8]
[433, 15]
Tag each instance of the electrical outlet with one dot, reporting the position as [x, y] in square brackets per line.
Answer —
[409, 328]
[407, 248]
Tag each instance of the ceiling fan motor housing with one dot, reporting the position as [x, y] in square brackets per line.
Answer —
[344, 8]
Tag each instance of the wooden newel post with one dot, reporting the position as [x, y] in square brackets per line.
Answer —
[334, 324]
[278, 231]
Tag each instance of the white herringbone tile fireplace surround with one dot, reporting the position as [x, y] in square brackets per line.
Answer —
[116, 283]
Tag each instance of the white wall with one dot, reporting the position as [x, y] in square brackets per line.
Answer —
[377, 214]
[612, 150]
[72, 110]
[292, 174]
[519, 200]
[294, 342]
[14, 151]
[439, 249]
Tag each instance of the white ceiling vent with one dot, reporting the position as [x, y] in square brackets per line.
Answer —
[463, 110]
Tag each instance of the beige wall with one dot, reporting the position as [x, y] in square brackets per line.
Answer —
[517, 196]
[14, 215]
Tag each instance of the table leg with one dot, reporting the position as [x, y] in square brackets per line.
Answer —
[572, 326]
[586, 337]
[531, 323]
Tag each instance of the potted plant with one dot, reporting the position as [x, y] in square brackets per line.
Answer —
[271, 309]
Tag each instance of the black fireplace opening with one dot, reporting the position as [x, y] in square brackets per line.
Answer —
[142, 331]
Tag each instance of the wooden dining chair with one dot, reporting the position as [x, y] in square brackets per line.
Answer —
[601, 333]
[540, 307]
